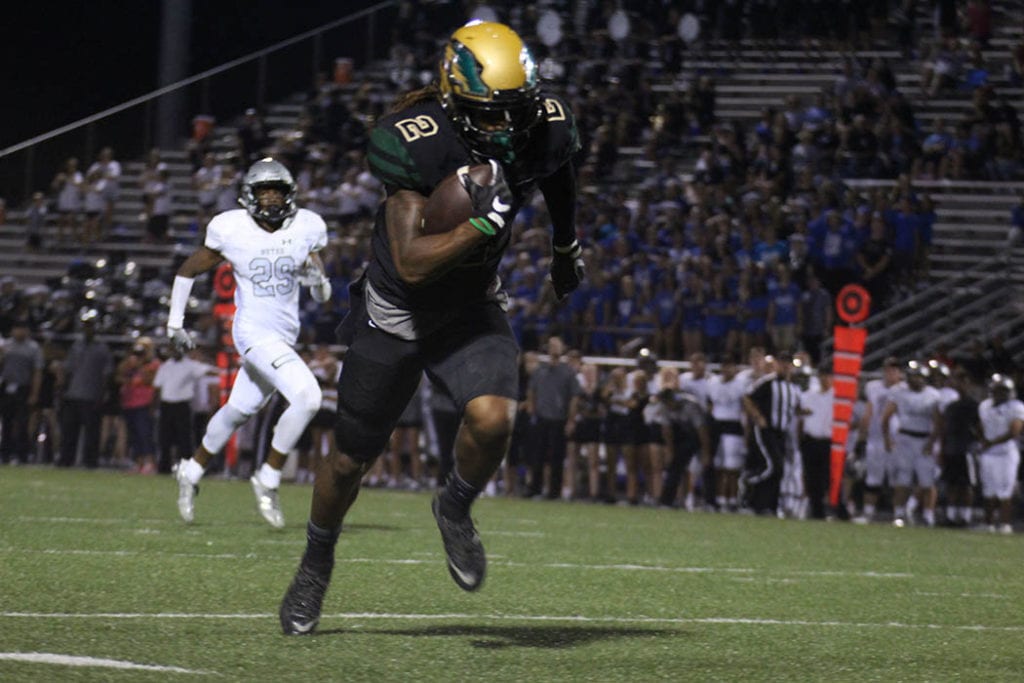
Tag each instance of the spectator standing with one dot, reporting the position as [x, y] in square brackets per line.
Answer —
[874, 258]
[771, 406]
[177, 380]
[135, 376]
[587, 430]
[21, 371]
[35, 221]
[68, 185]
[94, 204]
[206, 183]
[783, 323]
[109, 171]
[816, 314]
[156, 194]
[816, 440]
[87, 369]
[551, 400]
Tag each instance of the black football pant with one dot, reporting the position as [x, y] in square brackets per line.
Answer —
[80, 419]
[549, 449]
[768, 456]
[14, 440]
[816, 455]
[175, 430]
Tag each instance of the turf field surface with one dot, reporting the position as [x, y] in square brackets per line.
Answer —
[101, 581]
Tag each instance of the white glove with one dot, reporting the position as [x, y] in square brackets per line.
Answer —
[180, 339]
[309, 275]
[321, 291]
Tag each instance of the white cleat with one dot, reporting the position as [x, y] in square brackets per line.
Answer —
[186, 496]
[267, 502]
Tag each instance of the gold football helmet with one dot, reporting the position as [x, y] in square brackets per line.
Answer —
[489, 88]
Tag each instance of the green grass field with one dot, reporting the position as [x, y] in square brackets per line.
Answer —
[96, 566]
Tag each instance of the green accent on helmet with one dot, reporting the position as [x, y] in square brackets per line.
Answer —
[470, 71]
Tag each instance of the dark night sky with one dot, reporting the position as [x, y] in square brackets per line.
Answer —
[67, 60]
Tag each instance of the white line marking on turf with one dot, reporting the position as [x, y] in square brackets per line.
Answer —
[993, 596]
[725, 621]
[72, 660]
[499, 563]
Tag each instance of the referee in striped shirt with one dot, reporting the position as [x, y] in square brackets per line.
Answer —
[772, 406]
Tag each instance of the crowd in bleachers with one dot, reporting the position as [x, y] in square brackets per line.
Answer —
[703, 233]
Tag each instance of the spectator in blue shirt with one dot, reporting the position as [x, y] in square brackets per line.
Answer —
[905, 225]
[783, 322]
[833, 249]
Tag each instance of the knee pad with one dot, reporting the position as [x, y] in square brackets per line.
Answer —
[361, 438]
[221, 426]
[302, 407]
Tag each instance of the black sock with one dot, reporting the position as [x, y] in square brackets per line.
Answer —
[320, 544]
[456, 497]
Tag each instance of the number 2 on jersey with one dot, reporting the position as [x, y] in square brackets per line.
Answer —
[272, 278]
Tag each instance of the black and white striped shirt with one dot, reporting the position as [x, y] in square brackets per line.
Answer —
[777, 399]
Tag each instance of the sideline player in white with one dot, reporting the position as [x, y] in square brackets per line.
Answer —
[876, 465]
[271, 246]
[726, 395]
[912, 448]
[1002, 421]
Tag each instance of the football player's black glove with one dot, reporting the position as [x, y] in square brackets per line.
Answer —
[566, 268]
[492, 203]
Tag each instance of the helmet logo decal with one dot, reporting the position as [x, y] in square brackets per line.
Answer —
[470, 70]
[417, 127]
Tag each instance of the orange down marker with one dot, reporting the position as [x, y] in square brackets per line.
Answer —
[852, 305]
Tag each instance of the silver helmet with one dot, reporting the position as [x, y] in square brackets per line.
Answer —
[1000, 382]
[267, 171]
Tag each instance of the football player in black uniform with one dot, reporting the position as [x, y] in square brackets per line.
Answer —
[433, 302]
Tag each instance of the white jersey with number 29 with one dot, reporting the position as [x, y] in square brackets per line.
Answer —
[264, 265]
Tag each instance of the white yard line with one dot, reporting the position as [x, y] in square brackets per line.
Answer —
[72, 660]
[500, 563]
[384, 616]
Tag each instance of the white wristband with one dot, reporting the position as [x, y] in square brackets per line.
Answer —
[179, 300]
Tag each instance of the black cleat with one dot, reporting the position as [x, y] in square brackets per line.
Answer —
[466, 559]
[300, 608]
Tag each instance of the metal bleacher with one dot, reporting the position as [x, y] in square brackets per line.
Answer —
[976, 279]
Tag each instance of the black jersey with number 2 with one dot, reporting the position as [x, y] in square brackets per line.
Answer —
[415, 149]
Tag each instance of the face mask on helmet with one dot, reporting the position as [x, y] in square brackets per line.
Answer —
[488, 84]
[917, 373]
[267, 173]
[1001, 387]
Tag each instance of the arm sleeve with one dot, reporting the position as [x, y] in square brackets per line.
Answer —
[559, 190]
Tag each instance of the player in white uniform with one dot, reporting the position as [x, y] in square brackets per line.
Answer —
[725, 392]
[695, 382]
[1002, 421]
[876, 460]
[912, 448]
[271, 246]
